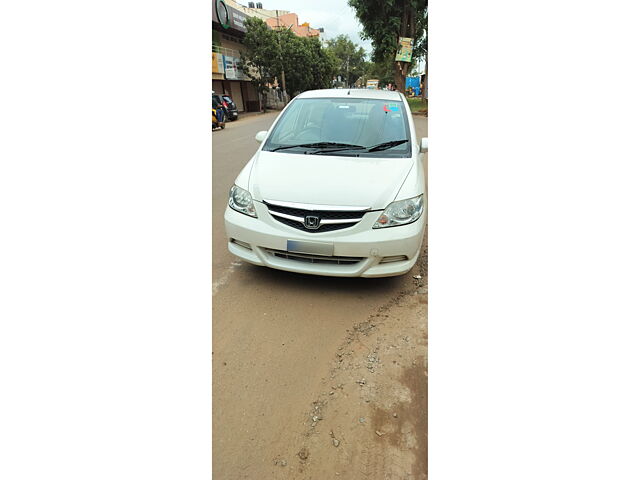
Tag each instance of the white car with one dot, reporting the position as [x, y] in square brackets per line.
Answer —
[336, 188]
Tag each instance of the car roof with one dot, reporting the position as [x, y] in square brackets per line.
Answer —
[352, 93]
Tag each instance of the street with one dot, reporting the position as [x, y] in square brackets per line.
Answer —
[313, 377]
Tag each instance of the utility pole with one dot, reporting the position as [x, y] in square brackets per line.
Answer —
[426, 65]
[426, 68]
[348, 71]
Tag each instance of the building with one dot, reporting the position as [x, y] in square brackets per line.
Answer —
[277, 18]
[290, 21]
[254, 9]
[227, 76]
[228, 31]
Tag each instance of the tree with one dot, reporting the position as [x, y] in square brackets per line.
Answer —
[306, 64]
[322, 64]
[383, 21]
[381, 71]
[350, 58]
[260, 59]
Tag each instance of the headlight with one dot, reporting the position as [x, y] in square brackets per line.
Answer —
[401, 212]
[241, 201]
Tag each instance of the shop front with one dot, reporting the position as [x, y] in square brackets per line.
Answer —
[227, 76]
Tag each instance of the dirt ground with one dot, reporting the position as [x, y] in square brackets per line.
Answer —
[365, 419]
[370, 419]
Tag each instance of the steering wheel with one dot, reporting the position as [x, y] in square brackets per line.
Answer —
[310, 132]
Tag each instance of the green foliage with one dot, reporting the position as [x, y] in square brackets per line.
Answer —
[382, 23]
[382, 71]
[260, 60]
[418, 105]
[350, 59]
[306, 64]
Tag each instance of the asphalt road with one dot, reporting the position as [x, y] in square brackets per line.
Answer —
[274, 333]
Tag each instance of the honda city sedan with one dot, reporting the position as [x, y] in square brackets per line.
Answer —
[336, 188]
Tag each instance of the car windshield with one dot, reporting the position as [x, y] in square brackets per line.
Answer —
[342, 126]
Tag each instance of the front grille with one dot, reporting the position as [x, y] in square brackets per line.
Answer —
[323, 215]
[322, 228]
[306, 258]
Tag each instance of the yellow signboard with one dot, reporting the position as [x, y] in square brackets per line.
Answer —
[217, 63]
[405, 49]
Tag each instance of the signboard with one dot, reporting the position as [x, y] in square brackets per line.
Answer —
[228, 17]
[217, 62]
[240, 75]
[372, 84]
[405, 49]
[237, 20]
[229, 68]
[221, 13]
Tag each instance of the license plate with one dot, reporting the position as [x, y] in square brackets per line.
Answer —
[311, 248]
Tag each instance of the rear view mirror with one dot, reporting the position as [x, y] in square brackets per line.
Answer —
[260, 136]
[423, 144]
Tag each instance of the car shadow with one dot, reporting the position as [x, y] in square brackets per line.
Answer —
[283, 279]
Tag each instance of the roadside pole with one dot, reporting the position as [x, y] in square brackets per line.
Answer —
[424, 87]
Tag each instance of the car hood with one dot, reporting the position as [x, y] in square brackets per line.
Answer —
[327, 180]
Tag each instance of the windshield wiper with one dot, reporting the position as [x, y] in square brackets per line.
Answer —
[374, 148]
[328, 147]
[317, 145]
[387, 145]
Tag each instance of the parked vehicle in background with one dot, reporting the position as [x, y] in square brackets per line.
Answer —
[337, 188]
[229, 106]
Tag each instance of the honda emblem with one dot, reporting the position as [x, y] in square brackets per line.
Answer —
[311, 222]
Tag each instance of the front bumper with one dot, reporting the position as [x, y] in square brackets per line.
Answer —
[255, 240]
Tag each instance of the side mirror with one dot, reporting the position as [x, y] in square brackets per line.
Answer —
[423, 144]
[260, 136]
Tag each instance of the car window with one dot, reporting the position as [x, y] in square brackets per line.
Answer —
[227, 98]
[357, 121]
